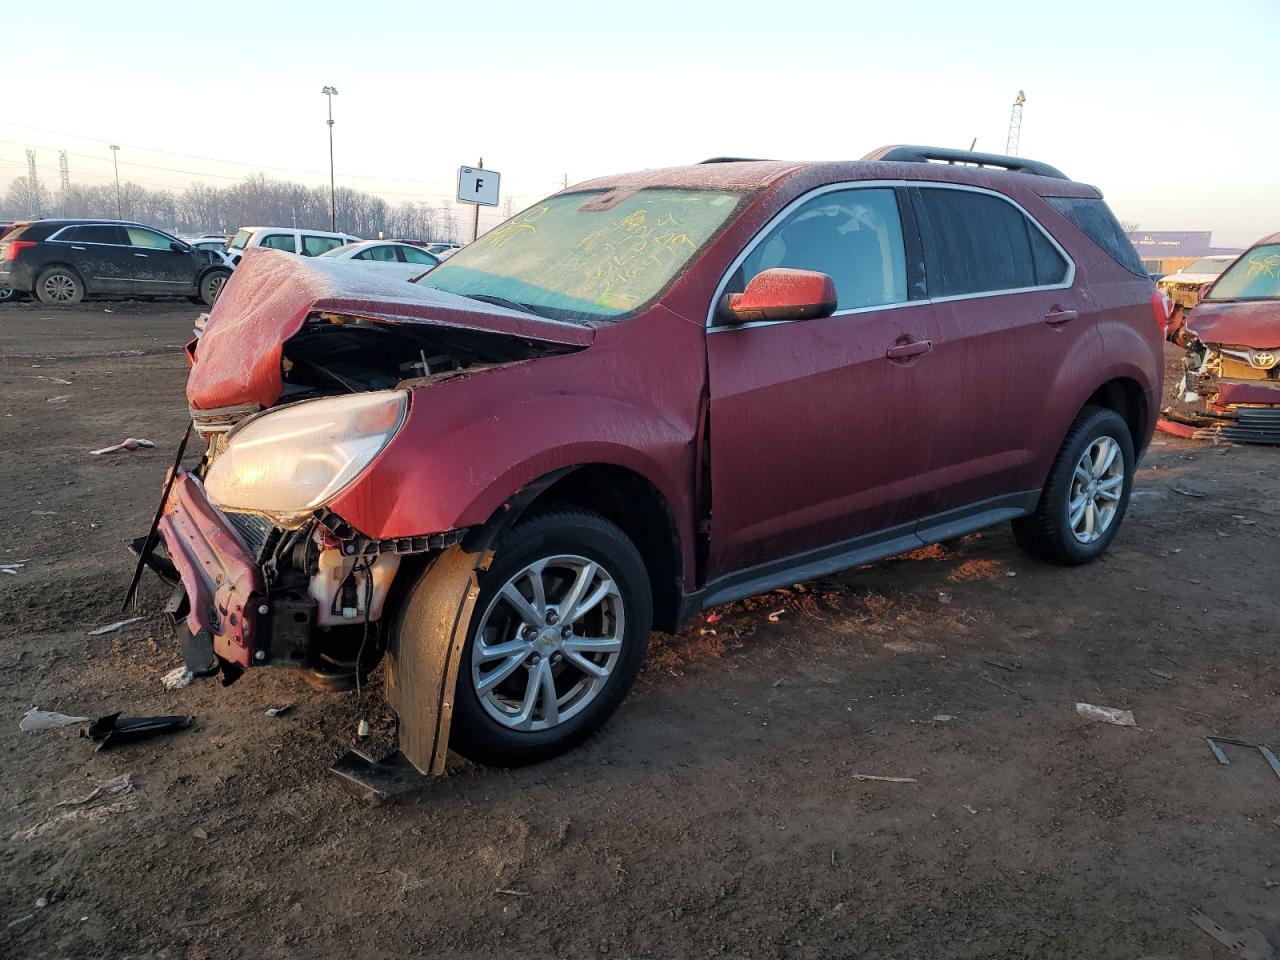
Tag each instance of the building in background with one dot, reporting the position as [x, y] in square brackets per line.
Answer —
[1168, 251]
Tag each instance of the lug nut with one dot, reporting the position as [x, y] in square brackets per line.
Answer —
[260, 655]
[264, 609]
[535, 658]
[551, 617]
[567, 632]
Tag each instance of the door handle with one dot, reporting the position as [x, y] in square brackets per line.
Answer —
[912, 348]
[142, 255]
[1057, 315]
[74, 247]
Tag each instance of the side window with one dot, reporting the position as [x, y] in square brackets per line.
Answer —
[97, 233]
[279, 241]
[142, 237]
[1050, 266]
[380, 254]
[414, 255]
[854, 236]
[974, 243]
[313, 246]
[1099, 224]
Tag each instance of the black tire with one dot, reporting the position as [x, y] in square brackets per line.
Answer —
[59, 286]
[7, 293]
[479, 737]
[1047, 533]
[211, 285]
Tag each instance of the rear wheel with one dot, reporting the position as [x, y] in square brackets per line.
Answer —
[1087, 493]
[59, 285]
[7, 293]
[211, 285]
[560, 631]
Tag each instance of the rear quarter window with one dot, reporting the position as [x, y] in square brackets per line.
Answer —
[1099, 224]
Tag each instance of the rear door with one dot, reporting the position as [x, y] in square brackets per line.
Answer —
[1008, 320]
[158, 268]
[101, 254]
[383, 259]
[817, 434]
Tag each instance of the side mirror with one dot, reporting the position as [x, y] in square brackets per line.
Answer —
[177, 247]
[782, 294]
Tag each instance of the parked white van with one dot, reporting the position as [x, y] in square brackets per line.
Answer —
[307, 243]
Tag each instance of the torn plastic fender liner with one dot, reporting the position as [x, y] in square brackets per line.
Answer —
[422, 668]
[223, 583]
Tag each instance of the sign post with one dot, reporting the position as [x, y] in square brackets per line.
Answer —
[478, 187]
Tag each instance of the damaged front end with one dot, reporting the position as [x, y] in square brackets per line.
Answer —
[1227, 392]
[301, 377]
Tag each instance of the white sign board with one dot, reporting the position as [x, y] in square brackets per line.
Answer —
[478, 186]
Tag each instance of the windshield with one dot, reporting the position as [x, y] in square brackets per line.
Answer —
[1255, 276]
[341, 251]
[240, 240]
[1209, 265]
[579, 256]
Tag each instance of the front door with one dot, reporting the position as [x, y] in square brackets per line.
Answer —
[158, 268]
[820, 429]
[100, 251]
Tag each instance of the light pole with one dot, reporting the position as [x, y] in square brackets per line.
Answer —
[331, 92]
[115, 162]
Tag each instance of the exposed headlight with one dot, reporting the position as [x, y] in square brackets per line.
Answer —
[288, 462]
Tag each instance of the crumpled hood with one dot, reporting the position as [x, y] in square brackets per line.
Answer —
[272, 293]
[1244, 324]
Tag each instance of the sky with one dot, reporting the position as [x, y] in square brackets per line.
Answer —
[1167, 106]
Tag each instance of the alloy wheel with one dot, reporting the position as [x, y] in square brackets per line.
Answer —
[1096, 487]
[59, 288]
[548, 642]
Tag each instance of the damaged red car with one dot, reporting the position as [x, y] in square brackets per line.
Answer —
[1231, 386]
[641, 397]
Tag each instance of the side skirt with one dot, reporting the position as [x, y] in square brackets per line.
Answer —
[867, 548]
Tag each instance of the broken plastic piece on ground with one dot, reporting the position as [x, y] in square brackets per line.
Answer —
[37, 719]
[1250, 944]
[113, 729]
[129, 443]
[279, 711]
[379, 779]
[113, 627]
[869, 776]
[13, 567]
[108, 798]
[944, 717]
[1121, 718]
[177, 678]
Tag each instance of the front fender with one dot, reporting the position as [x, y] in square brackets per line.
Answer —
[469, 443]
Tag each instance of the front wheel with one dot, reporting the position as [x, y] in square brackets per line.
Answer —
[559, 633]
[1087, 493]
[211, 285]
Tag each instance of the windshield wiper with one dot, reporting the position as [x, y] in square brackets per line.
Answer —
[503, 302]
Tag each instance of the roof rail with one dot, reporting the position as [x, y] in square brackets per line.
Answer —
[732, 160]
[913, 154]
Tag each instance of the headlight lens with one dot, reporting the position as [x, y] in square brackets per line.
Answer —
[289, 462]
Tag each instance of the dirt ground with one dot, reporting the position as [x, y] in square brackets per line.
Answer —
[719, 813]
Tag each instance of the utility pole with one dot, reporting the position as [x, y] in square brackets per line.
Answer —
[115, 161]
[1015, 125]
[331, 92]
[507, 211]
[64, 172]
[565, 183]
[475, 211]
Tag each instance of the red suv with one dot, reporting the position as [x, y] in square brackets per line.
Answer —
[641, 397]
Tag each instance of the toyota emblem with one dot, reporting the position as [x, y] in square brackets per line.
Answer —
[1263, 359]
